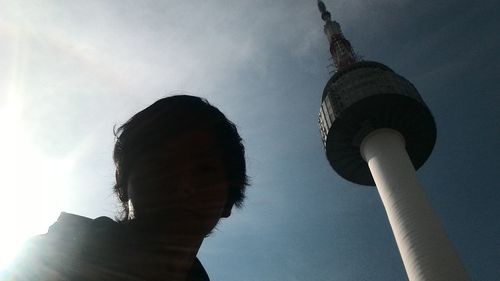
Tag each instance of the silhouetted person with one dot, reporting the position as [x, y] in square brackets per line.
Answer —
[180, 168]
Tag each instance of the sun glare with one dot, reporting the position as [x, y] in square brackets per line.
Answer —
[30, 184]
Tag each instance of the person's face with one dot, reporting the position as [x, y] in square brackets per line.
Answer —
[183, 186]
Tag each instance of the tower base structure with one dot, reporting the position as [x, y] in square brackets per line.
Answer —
[427, 253]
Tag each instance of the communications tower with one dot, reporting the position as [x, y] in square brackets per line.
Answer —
[376, 130]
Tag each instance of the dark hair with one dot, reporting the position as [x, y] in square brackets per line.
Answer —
[164, 120]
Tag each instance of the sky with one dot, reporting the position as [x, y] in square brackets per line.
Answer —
[71, 70]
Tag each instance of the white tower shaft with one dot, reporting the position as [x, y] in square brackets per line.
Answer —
[426, 252]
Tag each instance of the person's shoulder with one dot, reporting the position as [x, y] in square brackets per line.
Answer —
[55, 254]
[68, 228]
[68, 222]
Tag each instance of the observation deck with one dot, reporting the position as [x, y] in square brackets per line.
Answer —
[364, 97]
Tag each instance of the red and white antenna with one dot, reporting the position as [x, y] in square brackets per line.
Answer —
[340, 48]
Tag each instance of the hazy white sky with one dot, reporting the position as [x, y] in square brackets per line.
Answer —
[71, 70]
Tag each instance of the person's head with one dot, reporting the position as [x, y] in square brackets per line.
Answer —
[180, 159]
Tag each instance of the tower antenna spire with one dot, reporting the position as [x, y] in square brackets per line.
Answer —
[340, 48]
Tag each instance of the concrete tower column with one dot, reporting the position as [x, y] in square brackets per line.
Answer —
[427, 253]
